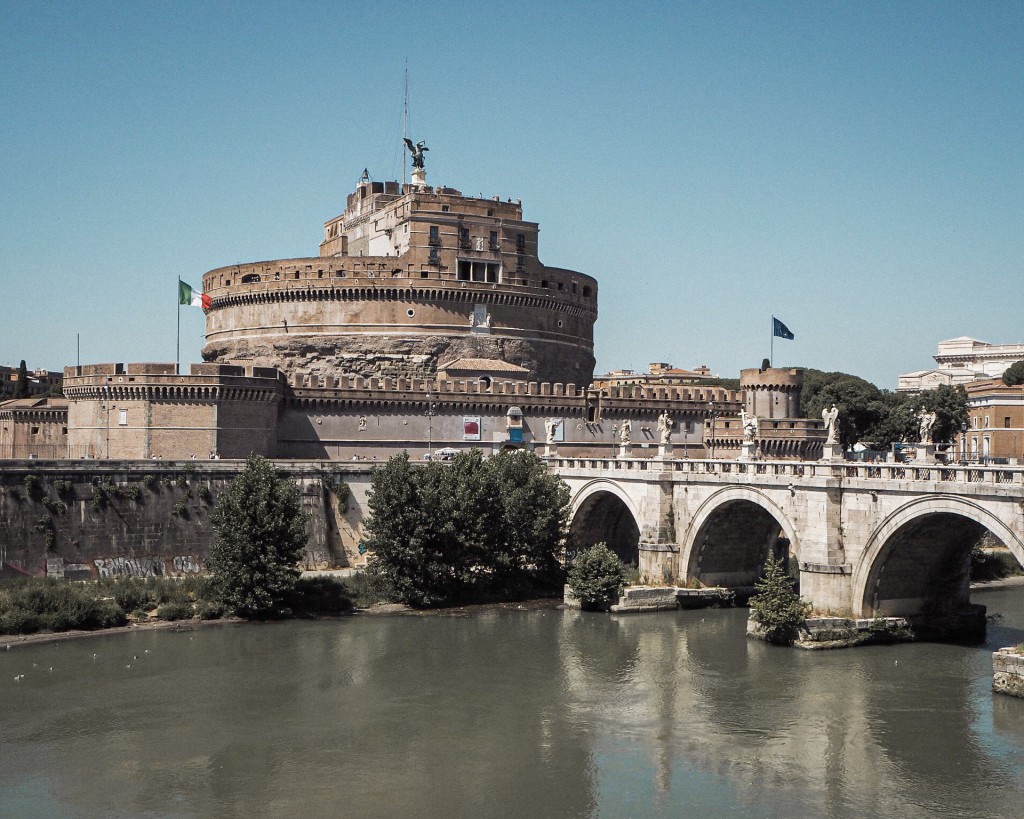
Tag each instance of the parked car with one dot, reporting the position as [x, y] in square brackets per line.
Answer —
[446, 454]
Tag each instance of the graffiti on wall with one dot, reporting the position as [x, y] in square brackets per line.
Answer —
[147, 566]
[187, 564]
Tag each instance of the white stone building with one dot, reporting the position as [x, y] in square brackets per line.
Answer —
[960, 361]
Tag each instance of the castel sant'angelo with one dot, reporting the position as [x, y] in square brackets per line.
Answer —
[426, 321]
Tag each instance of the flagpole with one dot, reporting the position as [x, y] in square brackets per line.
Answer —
[771, 346]
[177, 342]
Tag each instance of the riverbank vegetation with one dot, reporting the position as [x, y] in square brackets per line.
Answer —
[472, 530]
[597, 577]
[38, 604]
[777, 608]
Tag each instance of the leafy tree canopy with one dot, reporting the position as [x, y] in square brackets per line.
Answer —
[261, 534]
[1014, 374]
[881, 417]
[467, 530]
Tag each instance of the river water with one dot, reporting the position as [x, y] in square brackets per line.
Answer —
[529, 713]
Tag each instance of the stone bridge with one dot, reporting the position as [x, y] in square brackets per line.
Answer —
[868, 539]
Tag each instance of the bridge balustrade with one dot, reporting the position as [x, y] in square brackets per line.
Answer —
[801, 469]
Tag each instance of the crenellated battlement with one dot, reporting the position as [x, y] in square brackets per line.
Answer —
[162, 381]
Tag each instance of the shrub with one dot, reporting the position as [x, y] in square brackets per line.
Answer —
[181, 509]
[367, 587]
[19, 621]
[344, 492]
[33, 487]
[150, 482]
[99, 499]
[130, 593]
[59, 605]
[209, 610]
[174, 611]
[776, 607]
[320, 595]
[597, 577]
[205, 495]
[56, 507]
[63, 487]
[181, 482]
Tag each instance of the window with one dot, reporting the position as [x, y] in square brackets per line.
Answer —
[586, 291]
[464, 238]
[445, 208]
[35, 430]
[494, 240]
[122, 417]
[252, 278]
[520, 243]
[1006, 422]
[435, 235]
[477, 271]
[986, 422]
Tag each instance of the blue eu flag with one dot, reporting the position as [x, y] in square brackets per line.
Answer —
[780, 330]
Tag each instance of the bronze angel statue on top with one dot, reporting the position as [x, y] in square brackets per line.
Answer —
[417, 150]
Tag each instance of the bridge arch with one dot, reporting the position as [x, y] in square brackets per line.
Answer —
[917, 561]
[602, 511]
[730, 534]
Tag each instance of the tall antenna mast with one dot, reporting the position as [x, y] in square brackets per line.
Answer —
[405, 121]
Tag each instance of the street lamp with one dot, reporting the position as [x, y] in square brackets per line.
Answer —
[963, 441]
[430, 413]
[714, 414]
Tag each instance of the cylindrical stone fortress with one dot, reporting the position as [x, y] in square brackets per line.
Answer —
[407, 282]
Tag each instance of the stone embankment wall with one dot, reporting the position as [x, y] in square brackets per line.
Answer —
[1008, 672]
[82, 519]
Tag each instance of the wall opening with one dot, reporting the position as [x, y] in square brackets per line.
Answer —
[733, 545]
[604, 517]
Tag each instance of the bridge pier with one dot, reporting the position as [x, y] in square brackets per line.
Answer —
[828, 586]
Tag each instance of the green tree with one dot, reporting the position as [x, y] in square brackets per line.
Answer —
[261, 534]
[471, 529]
[596, 577]
[1014, 374]
[880, 417]
[860, 403]
[776, 607]
[949, 403]
[21, 388]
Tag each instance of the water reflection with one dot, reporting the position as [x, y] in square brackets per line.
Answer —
[507, 713]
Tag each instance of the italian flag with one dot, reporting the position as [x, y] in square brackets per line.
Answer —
[193, 298]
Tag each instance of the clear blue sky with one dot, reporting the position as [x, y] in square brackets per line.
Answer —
[857, 169]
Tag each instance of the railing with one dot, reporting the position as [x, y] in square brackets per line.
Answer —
[938, 473]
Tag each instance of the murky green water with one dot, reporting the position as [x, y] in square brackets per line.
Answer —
[508, 713]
